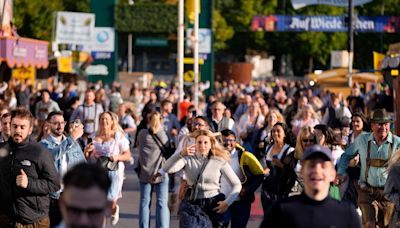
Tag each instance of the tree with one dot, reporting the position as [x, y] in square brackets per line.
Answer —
[34, 18]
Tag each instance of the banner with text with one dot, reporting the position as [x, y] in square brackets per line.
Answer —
[280, 23]
[343, 3]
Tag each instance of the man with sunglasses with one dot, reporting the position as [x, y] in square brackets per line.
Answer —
[251, 174]
[375, 150]
[84, 200]
[66, 153]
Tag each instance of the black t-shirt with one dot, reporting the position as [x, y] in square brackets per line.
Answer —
[301, 211]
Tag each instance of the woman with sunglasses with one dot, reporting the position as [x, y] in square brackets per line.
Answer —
[280, 174]
[305, 139]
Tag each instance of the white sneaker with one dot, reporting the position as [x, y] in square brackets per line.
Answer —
[115, 217]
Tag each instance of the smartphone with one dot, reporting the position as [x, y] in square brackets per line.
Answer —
[275, 156]
[158, 109]
[194, 113]
[76, 123]
[90, 140]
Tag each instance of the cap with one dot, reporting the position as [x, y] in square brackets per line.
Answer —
[317, 150]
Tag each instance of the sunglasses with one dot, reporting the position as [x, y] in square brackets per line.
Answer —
[308, 140]
[198, 124]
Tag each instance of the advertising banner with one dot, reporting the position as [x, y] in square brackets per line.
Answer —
[75, 28]
[23, 52]
[280, 23]
[204, 39]
[344, 3]
[24, 73]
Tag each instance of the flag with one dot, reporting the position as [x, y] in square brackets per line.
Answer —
[378, 57]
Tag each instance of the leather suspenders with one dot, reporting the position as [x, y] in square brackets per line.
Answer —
[376, 162]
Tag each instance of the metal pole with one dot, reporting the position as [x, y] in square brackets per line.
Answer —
[181, 39]
[196, 54]
[350, 44]
[130, 58]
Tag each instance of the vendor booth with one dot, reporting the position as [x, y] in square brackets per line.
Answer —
[336, 80]
[22, 55]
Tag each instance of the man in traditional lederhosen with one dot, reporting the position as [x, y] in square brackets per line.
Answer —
[89, 114]
[375, 150]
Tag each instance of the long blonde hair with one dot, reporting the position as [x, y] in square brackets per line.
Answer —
[155, 122]
[115, 127]
[216, 148]
[304, 131]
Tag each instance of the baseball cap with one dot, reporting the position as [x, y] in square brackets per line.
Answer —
[317, 150]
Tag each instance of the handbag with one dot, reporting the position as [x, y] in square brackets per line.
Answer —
[167, 150]
[107, 164]
[190, 214]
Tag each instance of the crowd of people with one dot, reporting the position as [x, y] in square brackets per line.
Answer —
[313, 154]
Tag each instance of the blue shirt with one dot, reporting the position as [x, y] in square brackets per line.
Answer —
[376, 175]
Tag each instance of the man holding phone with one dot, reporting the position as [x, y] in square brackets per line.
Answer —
[66, 153]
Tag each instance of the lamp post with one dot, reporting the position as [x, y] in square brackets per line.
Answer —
[180, 41]
[350, 42]
[130, 45]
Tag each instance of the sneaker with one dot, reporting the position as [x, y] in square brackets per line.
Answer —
[115, 217]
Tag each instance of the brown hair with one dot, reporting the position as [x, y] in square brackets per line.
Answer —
[22, 113]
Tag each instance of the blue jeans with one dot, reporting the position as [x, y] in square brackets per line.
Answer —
[162, 211]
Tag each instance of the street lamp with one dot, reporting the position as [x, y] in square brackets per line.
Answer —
[130, 52]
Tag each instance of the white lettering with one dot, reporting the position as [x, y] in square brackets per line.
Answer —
[297, 23]
[20, 52]
[97, 70]
[40, 53]
[319, 23]
[365, 25]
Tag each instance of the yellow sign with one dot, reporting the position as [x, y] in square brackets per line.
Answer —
[24, 73]
[188, 76]
[190, 9]
[378, 57]
[191, 61]
[64, 64]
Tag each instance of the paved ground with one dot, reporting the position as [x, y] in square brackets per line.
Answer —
[129, 204]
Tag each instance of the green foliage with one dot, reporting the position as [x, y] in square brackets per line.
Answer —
[34, 18]
[222, 31]
[146, 17]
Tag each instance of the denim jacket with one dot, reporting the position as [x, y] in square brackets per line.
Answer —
[68, 147]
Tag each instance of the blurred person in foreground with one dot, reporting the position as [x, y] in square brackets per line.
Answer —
[27, 176]
[83, 203]
[314, 207]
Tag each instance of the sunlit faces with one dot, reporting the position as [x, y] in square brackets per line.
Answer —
[317, 174]
[6, 126]
[89, 97]
[229, 142]
[278, 133]
[199, 124]
[272, 119]
[57, 124]
[106, 121]
[83, 207]
[307, 140]
[357, 123]
[381, 130]
[203, 145]
[20, 129]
